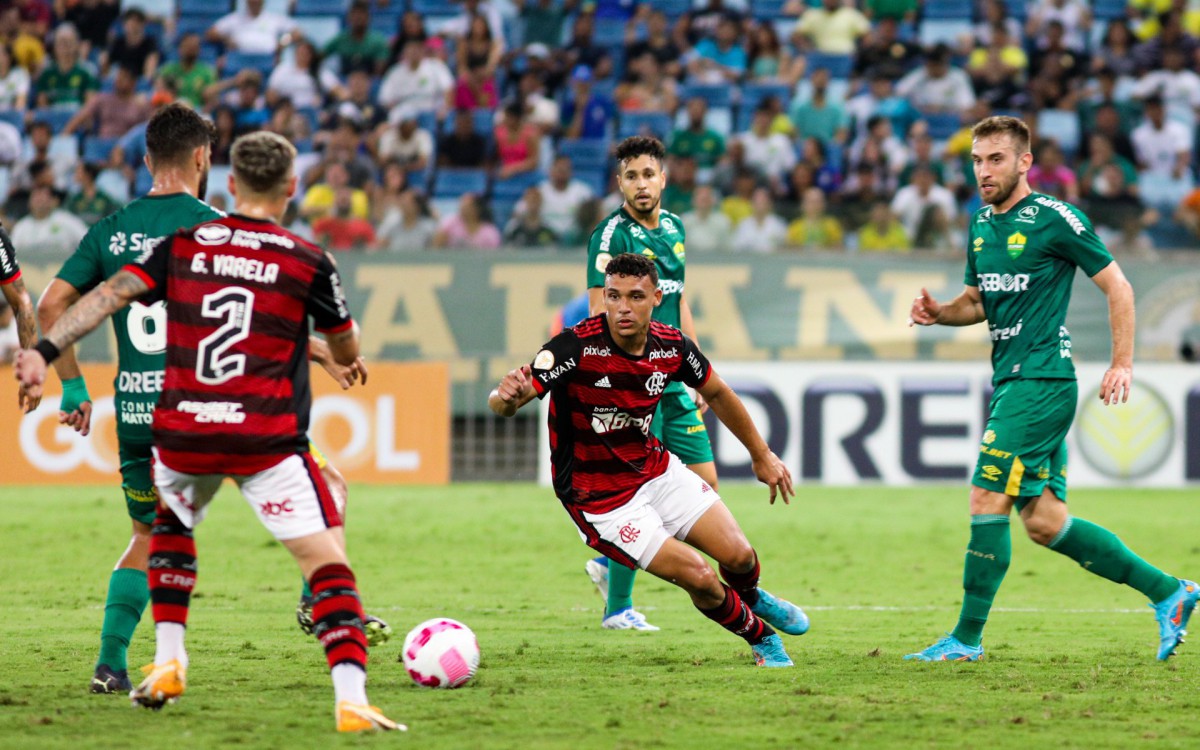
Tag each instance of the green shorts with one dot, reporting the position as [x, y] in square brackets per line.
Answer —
[141, 500]
[1024, 446]
[678, 425]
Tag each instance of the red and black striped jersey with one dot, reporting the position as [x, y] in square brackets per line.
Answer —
[602, 401]
[10, 270]
[239, 292]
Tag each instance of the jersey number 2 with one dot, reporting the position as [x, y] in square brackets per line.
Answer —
[234, 305]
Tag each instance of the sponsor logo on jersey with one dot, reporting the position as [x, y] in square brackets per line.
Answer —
[606, 235]
[255, 240]
[637, 232]
[1004, 334]
[1016, 244]
[694, 362]
[978, 245]
[544, 360]
[656, 383]
[670, 286]
[663, 353]
[993, 452]
[213, 412]
[212, 234]
[1027, 215]
[606, 421]
[177, 579]
[990, 473]
[1062, 210]
[272, 509]
[985, 215]
[146, 381]
[649, 253]
[602, 262]
[678, 250]
[603, 383]
[1004, 282]
[137, 242]
[565, 367]
[596, 351]
[989, 437]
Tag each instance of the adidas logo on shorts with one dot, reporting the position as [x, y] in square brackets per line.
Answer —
[603, 383]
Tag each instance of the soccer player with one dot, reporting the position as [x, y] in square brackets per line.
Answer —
[235, 403]
[630, 498]
[1022, 254]
[641, 225]
[18, 299]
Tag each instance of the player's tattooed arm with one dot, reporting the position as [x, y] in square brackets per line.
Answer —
[18, 299]
[95, 307]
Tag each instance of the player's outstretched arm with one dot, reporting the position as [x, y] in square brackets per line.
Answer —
[345, 375]
[964, 310]
[514, 391]
[81, 319]
[18, 299]
[732, 413]
[1118, 378]
[343, 346]
[75, 408]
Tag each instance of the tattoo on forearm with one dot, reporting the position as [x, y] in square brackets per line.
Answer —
[83, 317]
[23, 310]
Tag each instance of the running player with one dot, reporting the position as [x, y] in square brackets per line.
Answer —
[1022, 254]
[641, 225]
[235, 403]
[18, 299]
[631, 499]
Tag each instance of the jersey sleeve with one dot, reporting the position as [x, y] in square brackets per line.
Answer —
[970, 277]
[151, 267]
[10, 270]
[694, 367]
[601, 249]
[1077, 243]
[326, 300]
[555, 362]
[83, 270]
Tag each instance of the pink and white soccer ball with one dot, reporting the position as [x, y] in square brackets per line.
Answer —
[441, 653]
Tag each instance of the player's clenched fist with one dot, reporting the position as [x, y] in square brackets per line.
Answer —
[512, 386]
[925, 310]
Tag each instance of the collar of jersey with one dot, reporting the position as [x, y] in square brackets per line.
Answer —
[1015, 207]
[617, 347]
[637, 223]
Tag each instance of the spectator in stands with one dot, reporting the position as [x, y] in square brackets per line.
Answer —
[356, 47]
[769, 60]
[460, 25]
[518, 148]
[344, 143]
[585, 113]
[920, 154]
[834, 28]
[341, 229]
[65, 81]
[47, 228]
[859, 192]
[133, 49]
[243, 93]
[1050, 174]
[111, 114]
[252, 31]
[763, 231]
[544, 20]
[476, 87]
[820, 116]
[478, 46]
[1053, 60]
[289, 123]
[721, 59]
[189, 74]
[225, 126]
[410, 226]
[913, 204]
[1188, 213]
[1164, 155]
[38, 173]
[28, 49]
[1178, 86]
[462, 147]
[645, 88]
[393, 183]
[827, 171]
[879, 99]
[89, 202]
[36, 16]
[996, 12]
[1115, 52]
[681, 185]
[803, 177]
[407, 143]
[541, 110]
[61, 161]
[739, 204]
[582, 50]
[704, 20]
[92, 19]
[360, 104]
[14, 82]
[527, 227]
[1149, 54]
[937, 86]
[883, 233]
[417, 82]
[469, 229]
[770, 155]
[410, 28]
[563, 195]
[319, 199]
[658, 43]
[1119, 214]
[1100, 155]
[880, 148]
[883, 53]
[1074, 16]
[709, 230]
[814, 229]
[998, 70]
[303, 79]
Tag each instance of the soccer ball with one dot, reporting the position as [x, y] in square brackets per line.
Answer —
[440, 653]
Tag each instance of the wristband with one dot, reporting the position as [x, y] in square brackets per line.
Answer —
[74, 393]
[48, 350]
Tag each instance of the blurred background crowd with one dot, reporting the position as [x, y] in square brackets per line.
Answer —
[791, 125]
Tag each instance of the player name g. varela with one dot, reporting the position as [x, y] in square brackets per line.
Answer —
[237, 267]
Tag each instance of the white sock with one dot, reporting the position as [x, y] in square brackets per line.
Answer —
[349, 683]
[169, 642]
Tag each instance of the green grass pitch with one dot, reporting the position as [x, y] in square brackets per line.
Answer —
[1070, 658]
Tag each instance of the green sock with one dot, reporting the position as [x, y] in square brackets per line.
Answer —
[620, 587]
[128, 594]
[1099, 551]
[988, 555]
[305, 590]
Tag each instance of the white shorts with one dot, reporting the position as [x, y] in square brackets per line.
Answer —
[290, 498]
[668, 505]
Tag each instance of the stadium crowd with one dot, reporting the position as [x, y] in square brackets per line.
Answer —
[790, 124]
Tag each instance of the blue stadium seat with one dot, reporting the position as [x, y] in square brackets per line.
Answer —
[768, 10]
[203, 7]
[193, 25]
[839, 66]
[596, 179]
[452, 183]
[235, 61]
[1108, 10]
[319, 8]
[586, 153]
[942, 125]
[56, 117]
[514, 187]
[717, 95]
[753, 93]
[501, 210]
[1017, 9]
[319, 29]
[946, 9]
[434, 8]
[610, 33]
[1062, 127]
[386, 20]
[419, 179]
[672, 8]
[14, 117]
[98, 150]
[657, 124]
[942, 31]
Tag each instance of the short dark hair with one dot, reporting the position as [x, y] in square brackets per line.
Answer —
[262, 161]
[1013, 127]
[632, 264]
[640, 145]
[174, 132]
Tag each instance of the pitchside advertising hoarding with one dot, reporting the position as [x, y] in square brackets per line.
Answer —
[393, 430]
[846, 423]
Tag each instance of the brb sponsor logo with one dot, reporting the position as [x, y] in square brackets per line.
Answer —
[1004, 282]
[272, 509]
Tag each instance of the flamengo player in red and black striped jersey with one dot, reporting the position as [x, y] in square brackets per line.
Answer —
[29, 396]
[630, 498]
[239, 292]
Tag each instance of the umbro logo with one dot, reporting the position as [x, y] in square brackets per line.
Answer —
[603, 383]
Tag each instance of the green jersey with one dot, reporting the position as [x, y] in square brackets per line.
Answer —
[141, 330]
[1023, 263]
[620, 233]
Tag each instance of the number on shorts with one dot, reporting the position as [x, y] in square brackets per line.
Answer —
[234, 305]
[147, 327]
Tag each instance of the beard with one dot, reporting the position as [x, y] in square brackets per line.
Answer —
[633, 207]
[1003, 190]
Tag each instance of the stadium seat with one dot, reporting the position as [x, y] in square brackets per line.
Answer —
[319, 29]
[753, 93]
[434, 8]
[946, 9]
[596, 179]
[152, 8]
[386, 20]
[671, 8]
[206, 8]
[1017, 9]
[193, 25]
[769, 10]
[55, 117]
[839, 66]
[319, 8]
[610, 33]
[586, 153]
[502, 210]
[14, 117]
[98, 150]
[717, 95]
[1108, 10]
[1062, 127]
[942, 125]
[657, 124]
[235, 61]
[278, 7]
[942, 31]
[452, 183]
[419, 179]
[514, 187]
